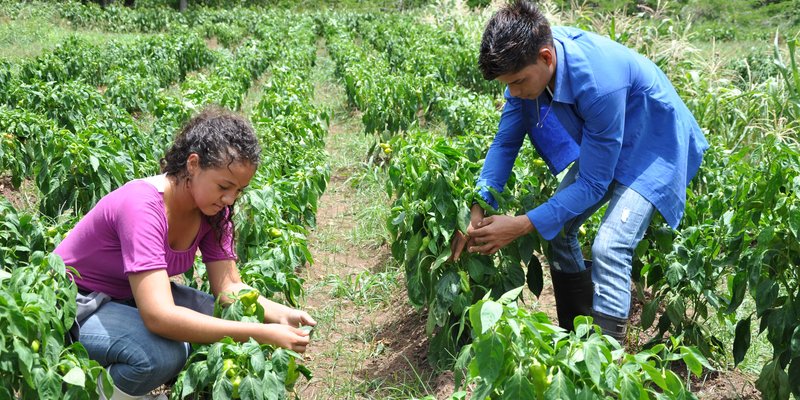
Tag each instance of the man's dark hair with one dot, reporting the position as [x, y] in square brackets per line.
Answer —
[512, 39]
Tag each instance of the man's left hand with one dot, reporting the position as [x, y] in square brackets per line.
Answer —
[497, 231]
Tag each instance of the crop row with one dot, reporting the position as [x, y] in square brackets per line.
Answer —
[110, 154]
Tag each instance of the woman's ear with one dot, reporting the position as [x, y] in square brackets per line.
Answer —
[193, 163]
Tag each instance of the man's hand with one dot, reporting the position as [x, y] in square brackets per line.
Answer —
[457, 245]
[461, 240]
[495, 232]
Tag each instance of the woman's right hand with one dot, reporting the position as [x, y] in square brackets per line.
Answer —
[284, 336]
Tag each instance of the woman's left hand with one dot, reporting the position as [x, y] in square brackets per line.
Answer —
[281, 314]
[295, 317]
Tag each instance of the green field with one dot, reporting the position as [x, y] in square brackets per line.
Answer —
[374, 121]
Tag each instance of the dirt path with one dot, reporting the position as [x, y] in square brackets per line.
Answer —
[369, 343]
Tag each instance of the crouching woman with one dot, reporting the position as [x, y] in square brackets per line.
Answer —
[132, 319]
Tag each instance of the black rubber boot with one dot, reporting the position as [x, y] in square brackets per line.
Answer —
[611, 326]
[573, 293]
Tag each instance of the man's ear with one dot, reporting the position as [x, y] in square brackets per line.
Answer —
[547, 54]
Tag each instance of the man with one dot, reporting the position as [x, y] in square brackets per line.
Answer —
[584, 98]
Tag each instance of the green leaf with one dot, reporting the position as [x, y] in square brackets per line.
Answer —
[630, 388]
[76, 377]
[738, 290]
[257, 362]
[766, 293]
[49, 386]
[272, 387]
[794, 376]
[249, 389]
[483, 390]
[489, 357]
[24, 353]
[510, 296]
[649, 313]
[534, 276]
[476, 268]
[741, 341]
[594, 361]
[794, 221]
[443, 256]
[464, 215]
[674, 384]
[664, 239]
[675, 273]
[95, 162]
[491, 312]
[526, 245]
[795, 342]
[655, 375]
[518, 387]
[222, 388]
[691, 361]
[560, 388]
[773, 382]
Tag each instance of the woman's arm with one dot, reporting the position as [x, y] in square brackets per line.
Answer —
[153, 295]
[225, 279]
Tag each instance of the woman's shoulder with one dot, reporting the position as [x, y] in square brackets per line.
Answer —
[133, 194]
[145, 188]
[158, 182]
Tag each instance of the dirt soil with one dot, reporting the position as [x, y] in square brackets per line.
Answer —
[391, 337]
[17, 197]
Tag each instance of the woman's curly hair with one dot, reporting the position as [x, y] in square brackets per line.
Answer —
[220, 138]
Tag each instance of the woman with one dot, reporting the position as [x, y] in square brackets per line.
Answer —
[131, 318]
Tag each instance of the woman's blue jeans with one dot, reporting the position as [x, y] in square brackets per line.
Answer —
[623, 225]
[137, 359]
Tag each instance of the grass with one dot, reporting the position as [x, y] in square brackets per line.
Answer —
[30, 34]
[364, 289]
[359, 281]
[371, 228]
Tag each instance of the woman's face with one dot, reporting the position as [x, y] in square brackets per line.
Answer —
[215, 188]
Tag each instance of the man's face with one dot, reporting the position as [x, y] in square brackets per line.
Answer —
[529, 82]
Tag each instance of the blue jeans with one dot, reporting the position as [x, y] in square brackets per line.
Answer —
[138, 360]
[623, 225]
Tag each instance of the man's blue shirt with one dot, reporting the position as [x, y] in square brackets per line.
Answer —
[616, 113]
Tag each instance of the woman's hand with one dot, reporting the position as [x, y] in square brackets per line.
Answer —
[284, 336]
[295, 317]
[281, 314]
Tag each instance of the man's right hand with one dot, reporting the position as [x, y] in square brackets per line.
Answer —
[475, 219]
[461, 240]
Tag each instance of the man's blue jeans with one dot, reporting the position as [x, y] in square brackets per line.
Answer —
[138, 360]
[623, 225]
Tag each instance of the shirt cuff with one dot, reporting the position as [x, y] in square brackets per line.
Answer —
[543, 219]
[486, 195]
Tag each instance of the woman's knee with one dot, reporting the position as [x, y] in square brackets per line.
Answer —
[169, 357]
[154, 364]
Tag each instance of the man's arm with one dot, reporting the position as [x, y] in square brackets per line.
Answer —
[496, 167]
[503, 150]
[601, 144]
